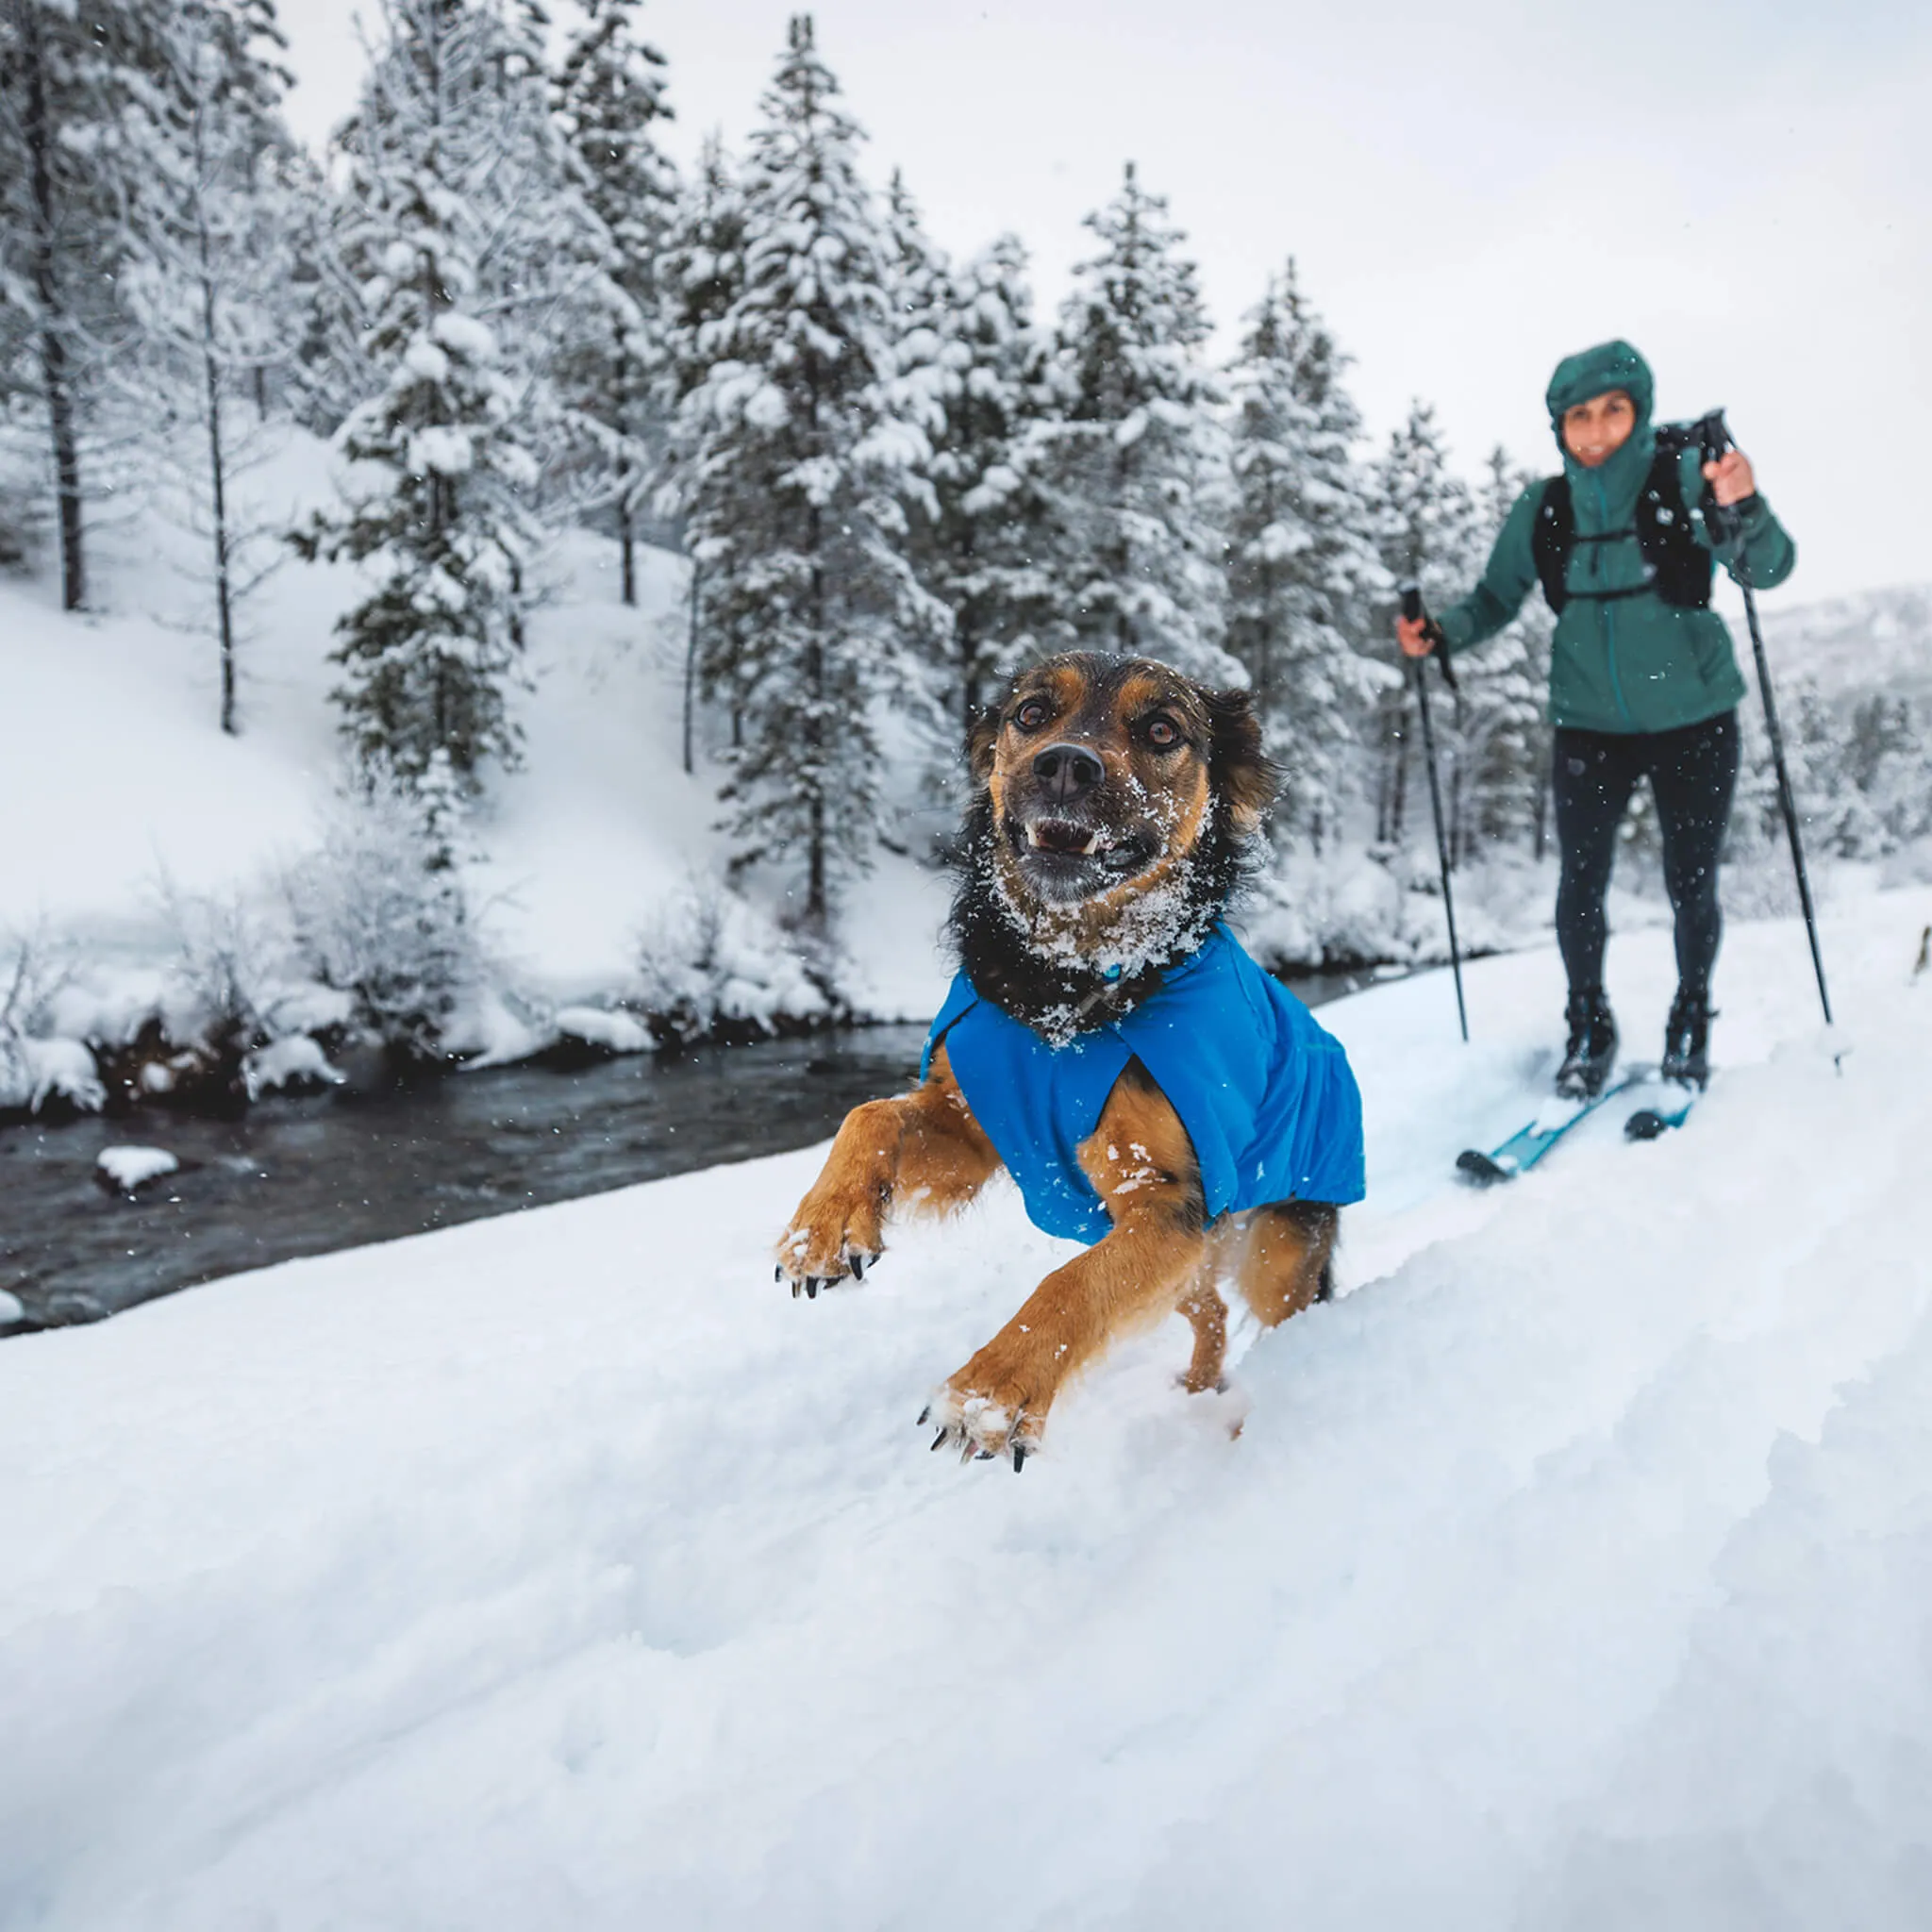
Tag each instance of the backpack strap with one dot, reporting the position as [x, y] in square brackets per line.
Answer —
[1680, 568]
[1552, 538]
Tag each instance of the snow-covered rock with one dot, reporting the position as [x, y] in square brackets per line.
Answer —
[127, 1169]
[33, 1072]
[610, 1031]
[295, 1060]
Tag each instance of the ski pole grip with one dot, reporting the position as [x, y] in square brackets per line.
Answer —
[1414, 612]
[1713, 436]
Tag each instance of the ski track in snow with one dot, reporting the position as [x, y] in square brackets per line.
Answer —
[1571, 1568]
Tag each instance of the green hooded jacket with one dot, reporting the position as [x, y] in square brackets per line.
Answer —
[1633, 663]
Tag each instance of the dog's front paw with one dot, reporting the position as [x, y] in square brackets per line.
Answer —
[812, 1257]
[982, 1427]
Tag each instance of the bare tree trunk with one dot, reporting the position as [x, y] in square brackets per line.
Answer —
[691, 665]
[217, 451]
[55, 373]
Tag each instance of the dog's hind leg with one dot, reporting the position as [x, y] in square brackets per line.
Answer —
[1288, 1259]
[924, 1150]
[1207, 1315]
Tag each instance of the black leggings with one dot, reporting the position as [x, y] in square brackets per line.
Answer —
[1692, 773]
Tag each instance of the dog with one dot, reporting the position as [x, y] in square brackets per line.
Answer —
[1107, 1041]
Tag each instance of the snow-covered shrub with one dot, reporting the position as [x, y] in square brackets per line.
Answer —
[231, 970]
[710, 963]
[36, 1066]
[379, 913]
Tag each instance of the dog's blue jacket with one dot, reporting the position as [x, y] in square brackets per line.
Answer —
[1266, 1095]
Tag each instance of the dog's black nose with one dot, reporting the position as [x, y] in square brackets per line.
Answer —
[1067, 772]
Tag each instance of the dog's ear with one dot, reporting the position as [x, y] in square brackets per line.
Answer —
[1241, 772]
[981, 741]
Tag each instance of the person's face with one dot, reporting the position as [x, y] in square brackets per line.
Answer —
[1595, 430]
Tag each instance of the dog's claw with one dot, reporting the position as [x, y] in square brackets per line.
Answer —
[811, 1288]
[1019, 1458]
[794, 1290]
[778, 1272]
[937, 1440]
[858, 1267]
[923, 1414]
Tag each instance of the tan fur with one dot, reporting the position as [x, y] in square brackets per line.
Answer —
[924, 1152]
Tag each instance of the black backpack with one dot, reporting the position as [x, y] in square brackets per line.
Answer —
[1675, 566]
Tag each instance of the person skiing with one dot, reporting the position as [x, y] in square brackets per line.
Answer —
[1642, 678]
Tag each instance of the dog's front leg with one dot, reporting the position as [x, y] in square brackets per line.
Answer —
[1142, 1166]
[924, 1150]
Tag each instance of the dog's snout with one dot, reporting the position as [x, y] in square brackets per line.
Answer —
[1068, 772]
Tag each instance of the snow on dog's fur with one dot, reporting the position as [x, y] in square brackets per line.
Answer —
[1114, 806]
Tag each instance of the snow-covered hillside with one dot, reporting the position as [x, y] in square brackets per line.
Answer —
[115, 777]
[1879, 641]
[1572, 1569]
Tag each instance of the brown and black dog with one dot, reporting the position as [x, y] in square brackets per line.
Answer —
[1114, 805]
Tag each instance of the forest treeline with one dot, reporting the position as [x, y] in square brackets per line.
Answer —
[894, 478]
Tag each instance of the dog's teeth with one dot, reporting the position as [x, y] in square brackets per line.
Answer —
[1092, 840]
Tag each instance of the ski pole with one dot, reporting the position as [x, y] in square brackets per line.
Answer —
[1715, 438]
[1412, 610]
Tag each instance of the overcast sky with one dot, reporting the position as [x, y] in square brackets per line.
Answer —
[1743, 189]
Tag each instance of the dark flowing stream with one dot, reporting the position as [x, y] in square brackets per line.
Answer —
[306, 1175]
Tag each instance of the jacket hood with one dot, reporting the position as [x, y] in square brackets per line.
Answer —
[1590, 372]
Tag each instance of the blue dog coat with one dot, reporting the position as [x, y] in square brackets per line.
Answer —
[1266, 1095]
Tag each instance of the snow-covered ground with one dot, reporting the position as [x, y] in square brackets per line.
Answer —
[1574, 1569]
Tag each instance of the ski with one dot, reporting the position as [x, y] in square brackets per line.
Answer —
[1648, 1122]
[1521, 1152]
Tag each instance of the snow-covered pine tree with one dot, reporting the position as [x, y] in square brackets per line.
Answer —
[1301, 559]
[436, 479]
[1428, 534]
[80, 150]
[987, 535]
[1499, 739]
[1137, 464]
[207, 289]
[702, 276]
[610, 366]
[795, 492]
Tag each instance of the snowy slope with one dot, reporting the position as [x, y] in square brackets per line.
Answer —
[1573, 1569]
[113, 773]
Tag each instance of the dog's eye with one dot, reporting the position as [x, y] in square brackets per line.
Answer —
[1031, 715]
[1163, 734]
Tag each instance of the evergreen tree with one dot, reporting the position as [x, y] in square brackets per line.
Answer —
[1301, 558]
[985, 540]
[612, 360]
[81, 150]
[1428, 535]
[1135, 466]
[436, 478]
[702, 276]
[1501, 741]
[206, 290]
[795, 490]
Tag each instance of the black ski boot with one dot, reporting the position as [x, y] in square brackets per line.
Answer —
[1592, 1048]
[1687, 1040]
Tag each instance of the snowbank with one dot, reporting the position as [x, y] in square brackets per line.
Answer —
[1570, 1569]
